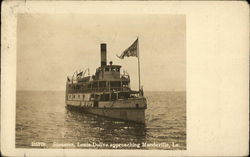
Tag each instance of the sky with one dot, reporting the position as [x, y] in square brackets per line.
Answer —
[51, 47]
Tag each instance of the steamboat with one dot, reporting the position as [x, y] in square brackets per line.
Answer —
[107, 93]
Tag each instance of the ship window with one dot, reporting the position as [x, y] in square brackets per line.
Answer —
[112, 68]
[84, 87]
[92, 97]
[113, 96]
[104, 97]
[77, 86]
[97, 97]
[115, 84]
[106, 69]
[123, 95]
[95, 85]
[96, 104]
[89, 85]
[102, 84]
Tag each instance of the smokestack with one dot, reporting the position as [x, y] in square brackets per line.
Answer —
[103, 54]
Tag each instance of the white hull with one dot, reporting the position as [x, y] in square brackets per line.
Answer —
[129, 110]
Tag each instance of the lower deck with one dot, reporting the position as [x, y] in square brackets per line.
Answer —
[122, 105]
[134, 115]
[129, 103]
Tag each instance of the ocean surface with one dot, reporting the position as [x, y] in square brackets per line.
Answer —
[43, 121]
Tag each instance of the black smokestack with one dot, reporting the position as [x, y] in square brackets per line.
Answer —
[103, 54]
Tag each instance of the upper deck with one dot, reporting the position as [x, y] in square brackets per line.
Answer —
[108, 72]
[106, 79]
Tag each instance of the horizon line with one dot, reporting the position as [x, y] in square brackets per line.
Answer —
[65, 91]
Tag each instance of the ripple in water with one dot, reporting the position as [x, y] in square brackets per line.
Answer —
[42, 117]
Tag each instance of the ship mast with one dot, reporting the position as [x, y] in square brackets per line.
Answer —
[138, 63]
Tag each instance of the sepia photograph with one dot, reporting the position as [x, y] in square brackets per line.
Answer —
[124, 78]
[101, 81]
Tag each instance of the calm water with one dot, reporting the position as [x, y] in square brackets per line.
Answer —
[42, 121]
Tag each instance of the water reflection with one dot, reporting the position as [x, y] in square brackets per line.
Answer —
[90, 128]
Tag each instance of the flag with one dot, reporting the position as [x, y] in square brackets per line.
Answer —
[131, 51]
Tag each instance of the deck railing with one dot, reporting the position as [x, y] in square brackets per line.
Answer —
[100, 89]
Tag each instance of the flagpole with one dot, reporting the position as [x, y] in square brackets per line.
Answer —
[138, 63]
